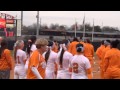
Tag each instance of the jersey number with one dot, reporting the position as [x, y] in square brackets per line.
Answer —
[75, 67]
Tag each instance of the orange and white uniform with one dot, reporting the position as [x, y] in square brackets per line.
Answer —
[6, 60]
[82, 42]
[72, 47]
[79, 65]
[63, 71]
[36, 60]
[50, 67]
[102, 60]
[112, 64]
[19, 70]
[33, 48]
[89, 52]
[99, 53]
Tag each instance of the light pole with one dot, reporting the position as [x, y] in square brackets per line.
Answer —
[40, 23]
[37, 32]
[75, 26]
[16, 29]
[21, 20]
[84, 28]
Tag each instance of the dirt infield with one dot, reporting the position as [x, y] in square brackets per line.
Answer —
[12, 75]
[96, 71]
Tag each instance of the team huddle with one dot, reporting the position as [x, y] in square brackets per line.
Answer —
[45, 59]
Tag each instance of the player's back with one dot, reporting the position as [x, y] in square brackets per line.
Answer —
[104, 51]
[6, 56]
[114, 58]
[66, 61]
[112, 64]
[79, 66]
[88, 50]
[51, 60]
[99, 51]
[36, 59]
[20, 57]
[63, 70]
[72, 47]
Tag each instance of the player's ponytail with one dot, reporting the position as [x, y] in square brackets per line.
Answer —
[61, 56]
[47, 55]
[50, 44]
[29, 44]
[64, 44]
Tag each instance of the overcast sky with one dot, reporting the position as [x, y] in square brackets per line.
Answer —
[109, 18]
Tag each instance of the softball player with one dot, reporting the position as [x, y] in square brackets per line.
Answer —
[20, 59]
[80, 65]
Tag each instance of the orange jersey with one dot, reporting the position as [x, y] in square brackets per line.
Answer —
[104, 51]
[6, 60]
[103, 54]
[72, 47]
[99, 55]
[102, 60]
[99, 51]
[88, 50]
[69, 48]
[35, 60]
[82, 42]
[112, 64]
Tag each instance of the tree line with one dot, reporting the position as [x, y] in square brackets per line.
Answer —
[31, 29]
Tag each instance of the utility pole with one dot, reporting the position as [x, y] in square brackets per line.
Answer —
[93, 32]
[84, 28]
[16, 29]
[21, 20]
[40, 23]
[75, 27]
[37, 34]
